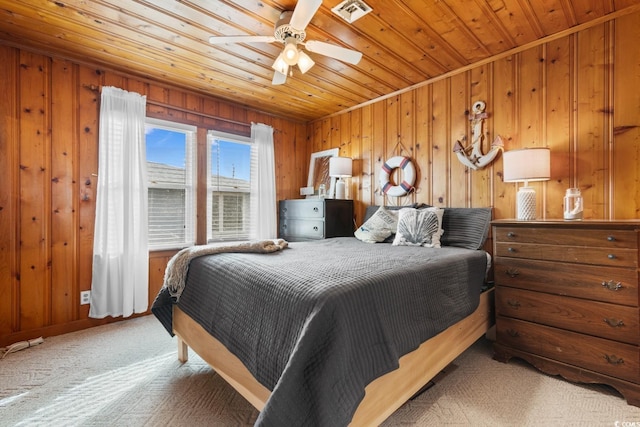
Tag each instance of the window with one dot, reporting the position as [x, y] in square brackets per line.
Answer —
[170, 168]
[229, 168]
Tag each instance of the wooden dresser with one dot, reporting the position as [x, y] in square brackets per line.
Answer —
[567, 299]
[313, 219]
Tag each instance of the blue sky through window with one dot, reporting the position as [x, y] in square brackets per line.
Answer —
[166, 146]
[169, 147]
[233, 159]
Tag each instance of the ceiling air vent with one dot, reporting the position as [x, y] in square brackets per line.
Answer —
[351, 10]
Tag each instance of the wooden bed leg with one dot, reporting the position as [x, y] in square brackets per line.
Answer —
[183, 350]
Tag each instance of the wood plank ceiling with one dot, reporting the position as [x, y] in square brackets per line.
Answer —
[404, 43]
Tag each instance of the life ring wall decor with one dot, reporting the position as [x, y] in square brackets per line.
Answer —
[408, 176]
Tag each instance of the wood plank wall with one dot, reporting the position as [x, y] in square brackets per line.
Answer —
[49, 117]
[578, 94]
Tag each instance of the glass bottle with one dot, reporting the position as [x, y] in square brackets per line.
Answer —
[322, 191]
[573, 204]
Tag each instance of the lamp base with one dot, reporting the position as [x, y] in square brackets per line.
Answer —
[526, 204]
[340, 189]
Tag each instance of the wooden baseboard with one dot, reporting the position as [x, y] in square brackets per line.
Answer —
[64, 328]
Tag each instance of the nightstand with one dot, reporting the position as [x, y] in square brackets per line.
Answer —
[313, 219]
[567, 299]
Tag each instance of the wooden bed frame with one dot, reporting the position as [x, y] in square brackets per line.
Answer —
[383, 396]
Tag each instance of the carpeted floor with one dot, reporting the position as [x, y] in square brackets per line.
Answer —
[127, 374]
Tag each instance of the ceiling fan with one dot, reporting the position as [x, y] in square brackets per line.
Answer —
[290, 31]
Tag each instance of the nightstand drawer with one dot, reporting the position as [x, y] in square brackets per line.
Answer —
[594, 318]
[608, 284]
[303, 209]
[597, 354]
[575, 254]
[302, 229]
[568, 237]
[311, 219]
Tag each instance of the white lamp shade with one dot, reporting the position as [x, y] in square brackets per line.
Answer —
[340, 166]
[528, 164]
[304, 62]
[290, 52]
[280, 65]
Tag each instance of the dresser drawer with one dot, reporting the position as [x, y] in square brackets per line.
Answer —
[608, 284]
[568, 237]
[302, 209]
[597, 354]
[601, 319]
[614, 256]
[302, 229]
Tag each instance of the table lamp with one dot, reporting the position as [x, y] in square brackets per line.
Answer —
[340, 167]
[527, 164]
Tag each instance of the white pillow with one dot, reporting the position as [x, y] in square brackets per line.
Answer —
[380, 226]
[419, 227]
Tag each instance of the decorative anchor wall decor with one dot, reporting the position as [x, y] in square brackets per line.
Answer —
[472, 155]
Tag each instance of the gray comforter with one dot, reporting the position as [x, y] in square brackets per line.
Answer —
[317, 322]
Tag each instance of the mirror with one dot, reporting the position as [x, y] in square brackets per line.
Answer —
[319, 172]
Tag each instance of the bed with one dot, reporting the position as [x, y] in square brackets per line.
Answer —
[337, 331]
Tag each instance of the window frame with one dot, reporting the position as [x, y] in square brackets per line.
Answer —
[213, 135]
[190, 185]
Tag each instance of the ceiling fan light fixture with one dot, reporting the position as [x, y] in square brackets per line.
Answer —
[280, 65]
[305, 62]
[290, 51]
[290, 32]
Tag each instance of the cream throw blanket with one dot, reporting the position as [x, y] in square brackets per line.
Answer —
[176, 273]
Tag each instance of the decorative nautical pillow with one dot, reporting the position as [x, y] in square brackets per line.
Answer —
[372, 209]
[378, 227]
[440, 214]
[419, 227]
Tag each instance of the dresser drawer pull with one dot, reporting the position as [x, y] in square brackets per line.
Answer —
[315, 228]
[614, 323]
[315, 209]
[512, 272]
[613, 359]
[513, 303]
[611, 285]
[611, 256]
[513, 333]
[511, 234]
[511, 249]
[611, 238]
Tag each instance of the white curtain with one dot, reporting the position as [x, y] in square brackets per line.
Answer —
[263, 184]
[119, 286]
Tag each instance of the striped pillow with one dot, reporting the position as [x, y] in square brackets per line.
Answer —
[465, 227]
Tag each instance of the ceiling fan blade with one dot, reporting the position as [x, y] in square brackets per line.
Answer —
[241, 39]
[333, 51]
[278, 78]
[302, 14]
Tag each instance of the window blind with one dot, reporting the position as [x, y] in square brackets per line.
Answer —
[229, 169]
[171, 185]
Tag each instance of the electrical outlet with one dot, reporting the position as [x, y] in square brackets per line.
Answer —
[85, 297]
